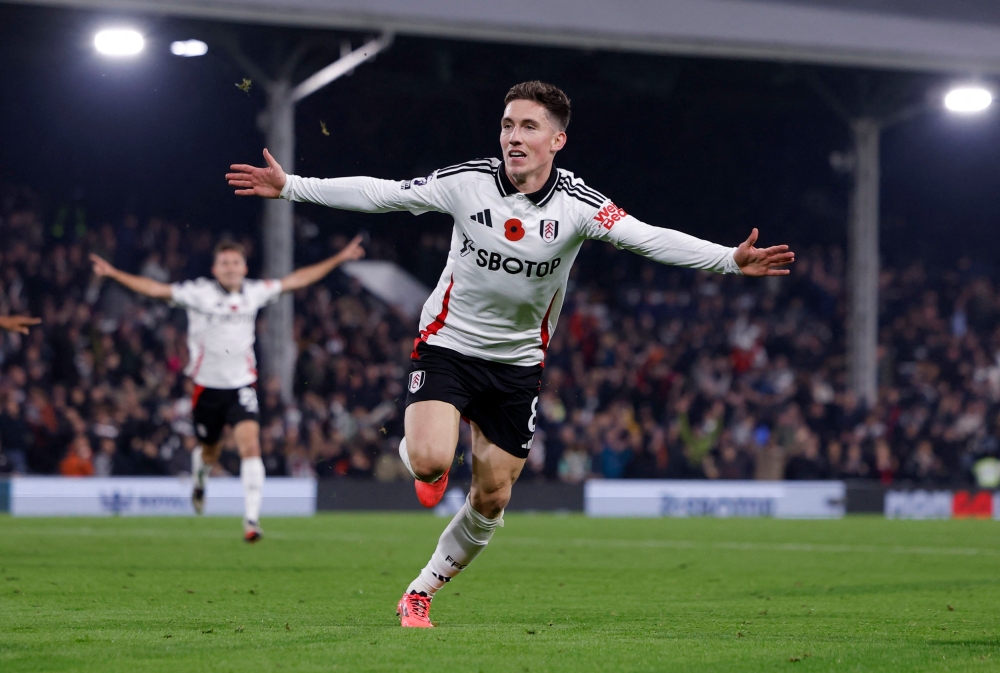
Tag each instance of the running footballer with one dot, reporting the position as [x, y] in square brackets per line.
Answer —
[519, 224]
[222, 316]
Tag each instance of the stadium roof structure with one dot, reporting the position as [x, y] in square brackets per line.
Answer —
[930, 35]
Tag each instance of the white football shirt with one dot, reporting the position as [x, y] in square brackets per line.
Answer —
[502, 289]
[222, 329]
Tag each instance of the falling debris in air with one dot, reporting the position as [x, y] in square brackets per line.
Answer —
[244, 86]
[322, 128]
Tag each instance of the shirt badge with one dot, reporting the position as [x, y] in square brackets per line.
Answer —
[549, 230]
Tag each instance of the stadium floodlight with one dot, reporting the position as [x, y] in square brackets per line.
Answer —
[188, 48]
[968, 99]
[119, 42]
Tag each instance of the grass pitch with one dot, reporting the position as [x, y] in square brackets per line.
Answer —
[551, 593]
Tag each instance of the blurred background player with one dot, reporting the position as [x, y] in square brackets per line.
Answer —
[222, 316]
[519, 224]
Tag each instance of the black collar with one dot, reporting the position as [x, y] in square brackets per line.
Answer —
[226, 292]
[539, 198]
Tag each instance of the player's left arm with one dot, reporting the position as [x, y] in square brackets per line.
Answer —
[755, 261]
[308, 275]
[17, 323]
[668, 246]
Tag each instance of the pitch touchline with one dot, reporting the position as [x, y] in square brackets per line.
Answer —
[760, 546]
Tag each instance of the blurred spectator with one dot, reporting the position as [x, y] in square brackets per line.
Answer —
[14, 436]
[77, 462]
[807, 463]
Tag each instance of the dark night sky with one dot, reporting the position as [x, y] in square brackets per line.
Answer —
[710, 147]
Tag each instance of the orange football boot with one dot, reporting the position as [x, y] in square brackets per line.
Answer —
[252, 532]
[413, 610]
[430, 495]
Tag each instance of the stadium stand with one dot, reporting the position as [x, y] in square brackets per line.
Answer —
[654, 372]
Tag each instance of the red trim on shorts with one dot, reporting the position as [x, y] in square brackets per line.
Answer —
[198, 390]
[438, 323]
[545, 327]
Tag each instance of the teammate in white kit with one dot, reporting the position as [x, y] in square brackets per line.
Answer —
[222, 315]
[519, 224]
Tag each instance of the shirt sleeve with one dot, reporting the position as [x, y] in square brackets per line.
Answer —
[666, 246]
[187, 294]
[263, 292]
[370, 195]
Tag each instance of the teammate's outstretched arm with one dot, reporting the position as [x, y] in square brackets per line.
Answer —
[762, 261]
[141, 284]
[17, 323]
[308, 275]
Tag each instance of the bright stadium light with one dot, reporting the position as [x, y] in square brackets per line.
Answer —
[188, 48]
[119, 42]
[968, 99]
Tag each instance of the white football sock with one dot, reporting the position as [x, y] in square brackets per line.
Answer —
[405, 456]
[463, 539]
[252, 476]
[199, 471]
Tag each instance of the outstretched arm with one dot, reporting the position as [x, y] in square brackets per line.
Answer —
[141, 284]
[673, 247]
[308, 275]
[361, 194]
[17, 323]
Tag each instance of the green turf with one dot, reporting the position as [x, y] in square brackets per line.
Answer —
[552, 593]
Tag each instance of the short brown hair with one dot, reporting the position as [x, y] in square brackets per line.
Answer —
[229, 246]
[548, 96]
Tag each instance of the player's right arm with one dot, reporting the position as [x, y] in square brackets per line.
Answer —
[360, 194]
[141, 284]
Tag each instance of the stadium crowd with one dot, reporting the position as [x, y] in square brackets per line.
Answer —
[654, 372]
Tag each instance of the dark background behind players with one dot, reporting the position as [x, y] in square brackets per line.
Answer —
[654, 372]
[641, 381]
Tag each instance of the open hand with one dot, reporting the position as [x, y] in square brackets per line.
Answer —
[762, 261]
[102, 267]
[18, 323]
[252, 181]
[352, 250]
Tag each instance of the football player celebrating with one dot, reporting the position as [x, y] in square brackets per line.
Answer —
[519, 224]
[222, 315]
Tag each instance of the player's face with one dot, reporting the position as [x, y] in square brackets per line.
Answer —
[230, 269]
[528, 137]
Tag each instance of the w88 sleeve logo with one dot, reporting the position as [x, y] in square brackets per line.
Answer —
[608, 215]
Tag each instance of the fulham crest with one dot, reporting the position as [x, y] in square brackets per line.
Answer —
[417, 379]
[549, 229]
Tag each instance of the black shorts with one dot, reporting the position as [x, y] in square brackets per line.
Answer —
[215, 408]
[501, 399]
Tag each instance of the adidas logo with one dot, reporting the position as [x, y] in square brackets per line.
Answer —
[483, 217]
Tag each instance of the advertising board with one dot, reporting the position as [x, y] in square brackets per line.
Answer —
[779, 499]
[153, 496]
